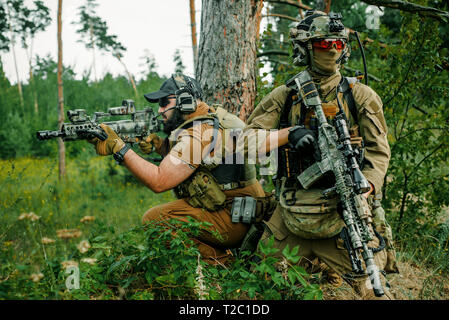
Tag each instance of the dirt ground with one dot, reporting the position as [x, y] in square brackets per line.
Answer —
[412, 283]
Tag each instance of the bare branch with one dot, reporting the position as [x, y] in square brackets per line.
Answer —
[292, 3]
[411, 7]
[278, 61]
[273, 53]
[283, 16]
[369, 75]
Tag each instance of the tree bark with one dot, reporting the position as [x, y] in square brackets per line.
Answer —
[193, 29]
[62, 169]
[227, 53]
[328, 6]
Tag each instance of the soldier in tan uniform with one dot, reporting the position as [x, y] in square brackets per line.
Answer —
[204, 184]
[305, 217]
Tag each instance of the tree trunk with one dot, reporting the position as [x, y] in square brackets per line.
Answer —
[91, 29]
[227, 53]
[62, 171]
[328, 6]
[19, 85]
[193, 28]
[32, 82]
[130, 77]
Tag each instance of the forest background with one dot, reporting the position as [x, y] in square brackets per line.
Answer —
[90, 218]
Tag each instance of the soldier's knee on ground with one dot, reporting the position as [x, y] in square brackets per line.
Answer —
[147, 217]
[213, 255]
[328, 274]
[362, 286]
[152, 214]
[265, 240]
[157, 213]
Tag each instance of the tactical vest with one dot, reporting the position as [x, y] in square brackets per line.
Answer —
[306, 213]
[294, 113]
[205, 187]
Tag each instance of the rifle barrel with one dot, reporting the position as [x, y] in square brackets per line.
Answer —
[47, 134]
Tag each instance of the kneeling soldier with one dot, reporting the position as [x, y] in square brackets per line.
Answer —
[193, 165]
[306, 217]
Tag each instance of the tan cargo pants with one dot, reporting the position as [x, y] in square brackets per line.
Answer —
[330, 251]
[212, 250]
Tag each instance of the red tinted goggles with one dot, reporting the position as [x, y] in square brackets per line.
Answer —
[327, 44]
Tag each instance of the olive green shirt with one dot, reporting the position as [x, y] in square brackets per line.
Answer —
[371, 121]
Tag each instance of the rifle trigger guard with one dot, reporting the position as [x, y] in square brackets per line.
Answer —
[100, 134]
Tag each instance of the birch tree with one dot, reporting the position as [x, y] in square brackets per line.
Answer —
[32, 21]
[14, 9]
[94, 34]
[89, 23]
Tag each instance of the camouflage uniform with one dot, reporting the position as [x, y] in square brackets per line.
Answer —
[305, 217]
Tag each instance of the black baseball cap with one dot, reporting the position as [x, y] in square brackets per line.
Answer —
[168, 87]
[174, 83]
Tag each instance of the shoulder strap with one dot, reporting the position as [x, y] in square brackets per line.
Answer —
[207, 118]
[214, 137]
[284, 123]
[349, 97]
[189, 123]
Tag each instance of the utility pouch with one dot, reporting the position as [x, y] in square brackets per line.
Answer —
[243, 210]
[202, 191]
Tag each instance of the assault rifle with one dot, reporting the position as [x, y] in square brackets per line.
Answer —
[338, 157]
[81, 126]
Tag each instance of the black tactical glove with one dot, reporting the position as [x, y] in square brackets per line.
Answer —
[301, 138]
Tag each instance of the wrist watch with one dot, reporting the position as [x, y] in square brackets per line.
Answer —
[119, 156]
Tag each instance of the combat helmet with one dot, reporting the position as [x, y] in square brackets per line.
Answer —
[316, 25]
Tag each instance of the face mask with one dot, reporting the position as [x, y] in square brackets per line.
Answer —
[324, 61]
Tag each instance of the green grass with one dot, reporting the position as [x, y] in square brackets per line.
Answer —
[130, 261]
[95, 187]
